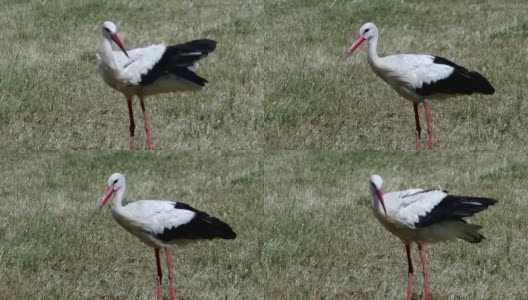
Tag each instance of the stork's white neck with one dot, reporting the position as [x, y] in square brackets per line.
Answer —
[108, 56]
[373, 57]
[117, 201]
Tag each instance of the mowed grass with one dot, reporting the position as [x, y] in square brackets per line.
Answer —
[54, 246]
[53, 98]
[304, 223]
[327, 244]
[315, 101]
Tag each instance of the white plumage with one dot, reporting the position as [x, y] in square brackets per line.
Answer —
[419, 77]
[128, 70]
[148, 218]
[161, 223]
[406, 207]
[425, 216]
[162, 214]
[407, 73]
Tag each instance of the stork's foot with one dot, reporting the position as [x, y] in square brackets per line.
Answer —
[429, 139]
[418, 140]
[131, 143]
[149, 146]
[158, 289]
[409, 286]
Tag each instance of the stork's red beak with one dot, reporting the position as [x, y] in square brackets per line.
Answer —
[108, 193]
[358, 41]
[380, 197]
[116, 40]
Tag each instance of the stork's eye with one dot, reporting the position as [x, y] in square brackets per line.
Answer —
[115, 181]
[106, 29]
[366, 30]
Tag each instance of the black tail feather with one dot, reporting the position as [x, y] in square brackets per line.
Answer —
[222, 230]
[463, 206]
[454, 208]
[202, 226]
[186, 54]
[469, 233]
[461, 81]
[189, 75]
[204, 45]
[480, 84]
[477, 238]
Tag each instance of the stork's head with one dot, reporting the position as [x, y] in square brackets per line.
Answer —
[366, 32]
[110, 33]
[115, 182]
[375, 188]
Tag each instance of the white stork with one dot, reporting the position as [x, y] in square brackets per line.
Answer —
[419, 77]
[151, 70]
[426, 216]
[160, 224]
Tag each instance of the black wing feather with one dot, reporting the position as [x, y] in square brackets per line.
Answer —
[179, 57]
[454, 208]
[189, 75]
[202, 226]
[461, 81]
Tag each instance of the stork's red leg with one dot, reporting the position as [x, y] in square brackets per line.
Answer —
[169, 266]
[147, 123]
[429, 127]
[160, 274]
[132, 124]
[410, 272]
[425, 280]
[418, 128]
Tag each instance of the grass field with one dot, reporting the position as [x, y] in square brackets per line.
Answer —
[52, 97]
[305, 228]
[313, 101]
[303, 218]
